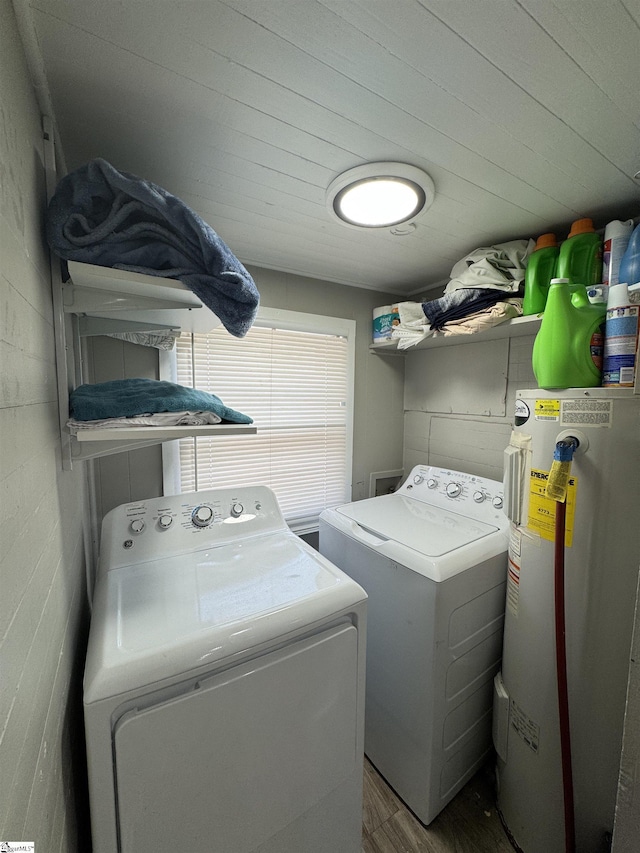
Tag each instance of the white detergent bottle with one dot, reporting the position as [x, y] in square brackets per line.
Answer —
[616, 240]
[621, 337]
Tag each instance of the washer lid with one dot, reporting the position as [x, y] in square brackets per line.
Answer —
[429, 530]
[163, 618]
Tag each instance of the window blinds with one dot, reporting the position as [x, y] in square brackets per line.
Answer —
[294, 384]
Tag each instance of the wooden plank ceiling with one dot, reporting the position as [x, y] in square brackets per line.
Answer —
[524, 112]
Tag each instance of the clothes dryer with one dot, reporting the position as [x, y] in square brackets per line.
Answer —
[224, 683]
[432, 558]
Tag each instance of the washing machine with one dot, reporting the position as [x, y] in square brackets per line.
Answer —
[432, 558]
[224, 683]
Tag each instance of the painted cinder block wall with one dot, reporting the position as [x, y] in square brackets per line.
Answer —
[43, 609]
[459, 403]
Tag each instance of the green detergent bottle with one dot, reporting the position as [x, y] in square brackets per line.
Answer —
[568, 349]
[580, 258]
[541, 268]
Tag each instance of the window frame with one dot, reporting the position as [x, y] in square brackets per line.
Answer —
[278, 318]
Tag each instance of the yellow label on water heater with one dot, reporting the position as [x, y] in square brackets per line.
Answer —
[547, 410]
[542, 510]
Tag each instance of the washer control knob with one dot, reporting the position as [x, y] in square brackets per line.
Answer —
[165, 522]
[236, 510]
[202, 516]
[137, 525]
[431, 483]
[418, 479]
[454, 490]
[497, 502]
[479, 497]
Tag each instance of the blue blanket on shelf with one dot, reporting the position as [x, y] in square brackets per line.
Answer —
[125, 398]
[101, 216]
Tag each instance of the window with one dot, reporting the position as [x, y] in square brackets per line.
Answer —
[293, 374]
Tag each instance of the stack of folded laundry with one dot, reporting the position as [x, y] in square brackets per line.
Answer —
[146, 402]
[485, 289]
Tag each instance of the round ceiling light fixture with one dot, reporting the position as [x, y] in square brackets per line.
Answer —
[380, 195]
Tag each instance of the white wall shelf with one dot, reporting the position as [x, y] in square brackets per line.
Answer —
[89, 444]
[120, 297]
[158, 433]
[101, 300]
[94, 289]
[510, 328]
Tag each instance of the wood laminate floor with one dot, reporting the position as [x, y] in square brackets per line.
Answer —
[469, 824]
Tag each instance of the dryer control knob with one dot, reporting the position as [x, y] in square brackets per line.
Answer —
[497, 502]
[479, 497]
[202, 516]
[236, 510]
[431, 483]
[418, 479]
[165, 522]
[137, 525]
[454, 490]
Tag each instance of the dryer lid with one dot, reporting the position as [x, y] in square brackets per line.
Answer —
[161, 618]
[430, 530]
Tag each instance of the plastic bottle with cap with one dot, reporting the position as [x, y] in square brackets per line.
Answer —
[616, 240]
[580, 257]
[568, 349]
[541, 268]
[629, 271]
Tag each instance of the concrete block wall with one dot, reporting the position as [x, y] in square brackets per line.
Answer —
[459, 403]
[43, 609]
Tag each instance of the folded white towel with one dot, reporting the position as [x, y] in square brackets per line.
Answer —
[411, 314]
[413, 326]
[142, 420]
[159, 340]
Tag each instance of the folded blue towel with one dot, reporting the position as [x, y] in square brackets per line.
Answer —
[124, 398]
[98, 215]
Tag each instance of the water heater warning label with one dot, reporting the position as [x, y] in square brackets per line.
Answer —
[580, 411]
[524, 726]
[587, 412]
[542, 510]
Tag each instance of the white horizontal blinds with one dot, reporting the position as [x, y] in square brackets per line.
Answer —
[294, 385]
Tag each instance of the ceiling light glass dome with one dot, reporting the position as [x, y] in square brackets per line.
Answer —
[380, 195]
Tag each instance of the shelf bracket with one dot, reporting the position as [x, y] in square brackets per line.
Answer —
[82, 300]
[82, 451]
[92, 326]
